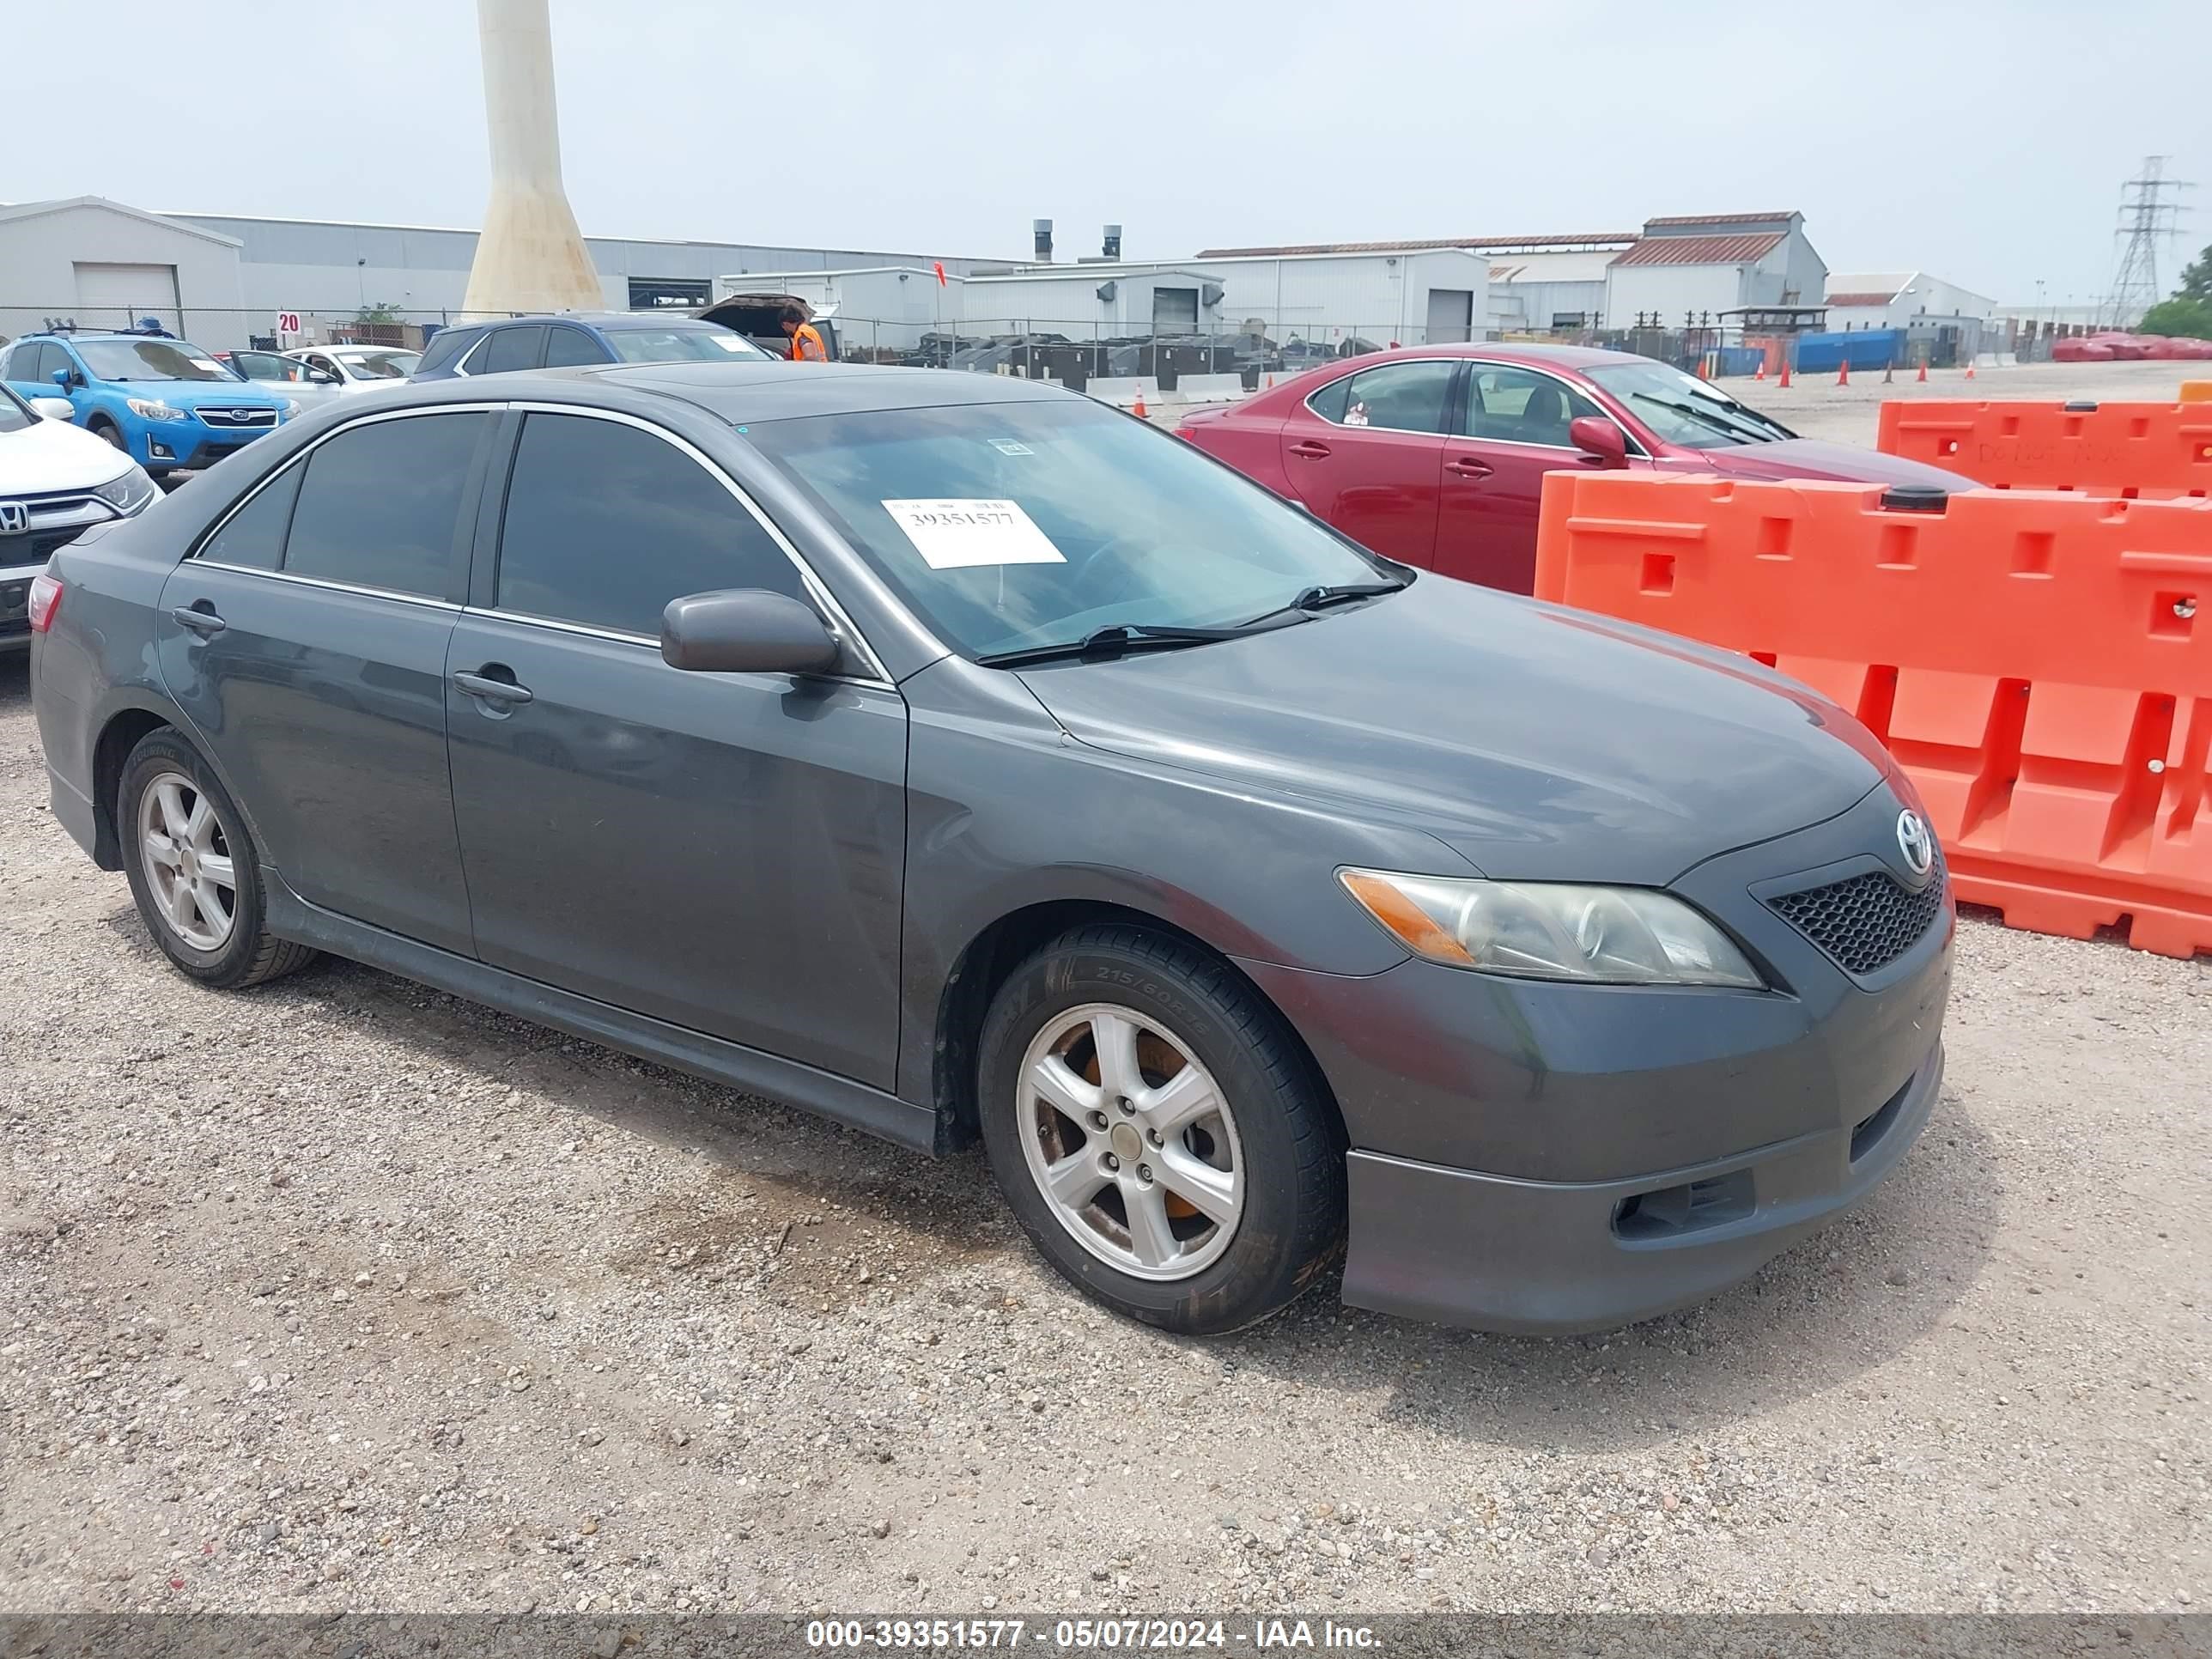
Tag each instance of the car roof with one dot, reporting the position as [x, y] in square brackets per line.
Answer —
[753, 389]
[1552, 357]
[593, 319]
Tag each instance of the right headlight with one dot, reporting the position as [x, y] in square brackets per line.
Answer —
[1551, 930]
[153, 409]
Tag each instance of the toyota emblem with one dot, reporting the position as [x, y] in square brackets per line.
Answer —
[1914, 841]
[14, 518]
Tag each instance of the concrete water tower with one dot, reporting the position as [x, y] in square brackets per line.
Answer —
[530, 256]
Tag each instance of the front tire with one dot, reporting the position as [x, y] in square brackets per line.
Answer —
[1159, 1132]
[193, 869]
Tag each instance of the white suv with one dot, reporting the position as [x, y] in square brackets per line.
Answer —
[55, 481]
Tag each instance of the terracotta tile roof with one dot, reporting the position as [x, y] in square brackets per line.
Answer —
[1723, 219]
[1701, 250]
[1578, 239]
[1878, 297]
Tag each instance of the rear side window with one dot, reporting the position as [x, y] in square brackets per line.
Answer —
[381, 505]
[254, 537]
[444, 349]
[566, 348]
[1329, 402]
[23, 363]
[605, 524]
[1401, 396]
[509, 349]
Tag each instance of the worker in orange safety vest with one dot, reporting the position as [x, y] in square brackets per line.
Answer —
[807, 345]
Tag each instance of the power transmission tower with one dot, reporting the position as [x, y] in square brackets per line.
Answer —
[2150, 213]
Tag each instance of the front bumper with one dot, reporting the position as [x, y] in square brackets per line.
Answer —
[1556, 1258]
[164, 446]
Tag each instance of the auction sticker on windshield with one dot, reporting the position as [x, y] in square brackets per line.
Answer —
[962, 534]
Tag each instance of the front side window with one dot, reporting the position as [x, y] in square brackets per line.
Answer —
[1521, 406]
[1408, 396]
[380, 364]
[253, 536]
[380, 504]
[52, 361]
[1012, 525]
[605, 524]
[509, 349]
[571, 348]
[150, 360]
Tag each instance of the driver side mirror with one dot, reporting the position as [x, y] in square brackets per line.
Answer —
[1600, 441]
[64, 378]
[319, 377]
[746, 630]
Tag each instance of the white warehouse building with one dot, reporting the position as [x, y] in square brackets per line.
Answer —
[1922, 306]
[1691, 271]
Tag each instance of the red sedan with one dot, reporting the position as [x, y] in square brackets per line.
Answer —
[1436, 456]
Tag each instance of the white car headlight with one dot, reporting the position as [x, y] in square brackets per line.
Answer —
[291, 408]
[152, 409]
[1551, 930]
[129, 493]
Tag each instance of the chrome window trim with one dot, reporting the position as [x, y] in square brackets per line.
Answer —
[366, 418]
[823, 598]
[1635, 448]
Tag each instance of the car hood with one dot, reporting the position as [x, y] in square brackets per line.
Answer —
[1809, 458]
[51, 455]
[191, 394]
[1539, 743]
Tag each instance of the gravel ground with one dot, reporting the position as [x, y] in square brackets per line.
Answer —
[343, 1294]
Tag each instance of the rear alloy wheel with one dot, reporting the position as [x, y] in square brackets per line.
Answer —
[193, 869]
[1158, 1130]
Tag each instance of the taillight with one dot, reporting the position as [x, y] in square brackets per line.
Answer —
[45, 599]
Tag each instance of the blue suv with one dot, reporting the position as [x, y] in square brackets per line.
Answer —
[165, 402]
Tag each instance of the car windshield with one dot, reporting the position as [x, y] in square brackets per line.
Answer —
[1685, 410]
[14, 413]
[150, 359]
[1012, 526]
[693, 343]
[380, 365]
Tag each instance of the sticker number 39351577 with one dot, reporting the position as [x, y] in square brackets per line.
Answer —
[963, 534]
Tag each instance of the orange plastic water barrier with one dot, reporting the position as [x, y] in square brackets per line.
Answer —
[2196, 392]
[2134, 449]
[2040, 665]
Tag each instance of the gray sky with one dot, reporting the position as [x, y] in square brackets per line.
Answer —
[1984, 144]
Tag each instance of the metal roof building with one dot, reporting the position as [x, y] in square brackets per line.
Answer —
[1687, 268]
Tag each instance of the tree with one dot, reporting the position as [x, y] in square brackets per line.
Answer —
[384, 311]
[2196, 279]
[2192, 319]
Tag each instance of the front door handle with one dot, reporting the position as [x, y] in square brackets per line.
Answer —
[491, 687]
[201, 619]
[1467, 467]
[1306, 450]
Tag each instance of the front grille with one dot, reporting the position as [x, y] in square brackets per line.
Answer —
[38, 546]
[237, 418]
[1863, 922]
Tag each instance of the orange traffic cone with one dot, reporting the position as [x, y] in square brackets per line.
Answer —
[1844, 372]
[1139, 412]
[1923, 376]
[1271, 383]
[1786, 373]
[1702, 373]
[1969, 368]
[1761, 374]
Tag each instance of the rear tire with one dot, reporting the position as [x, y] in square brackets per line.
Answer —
[1159, 1132]
[193, 868]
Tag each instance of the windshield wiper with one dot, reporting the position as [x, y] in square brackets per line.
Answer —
[1114, 639]
[1726, 427]
[1319, 598]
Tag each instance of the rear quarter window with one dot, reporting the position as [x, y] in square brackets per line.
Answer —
[445, 349]
[253, 536]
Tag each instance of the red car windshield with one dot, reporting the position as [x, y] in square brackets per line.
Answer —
[1685, 410]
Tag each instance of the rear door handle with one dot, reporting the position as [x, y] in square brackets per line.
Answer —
[491, 687]
[205, 623]
[1306, 450]
[1467, 467]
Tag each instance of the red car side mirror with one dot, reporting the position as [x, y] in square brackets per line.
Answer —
[1600, 441]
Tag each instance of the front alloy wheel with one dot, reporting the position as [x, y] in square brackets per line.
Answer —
[1132, 1142]
[1163, 1139]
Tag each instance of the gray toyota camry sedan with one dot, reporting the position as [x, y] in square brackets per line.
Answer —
[957, 758]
